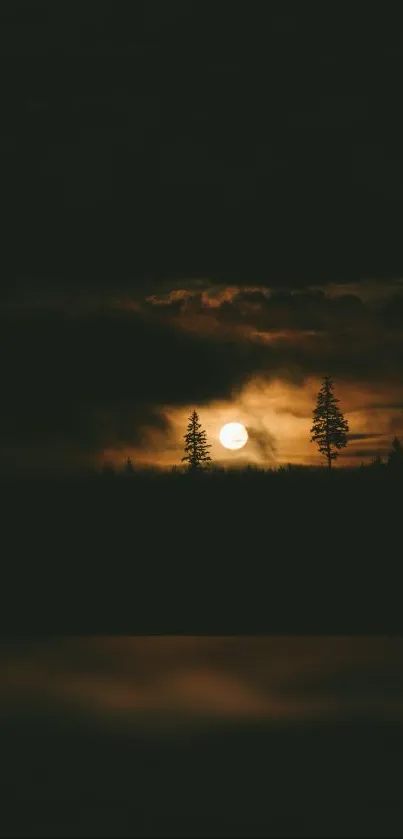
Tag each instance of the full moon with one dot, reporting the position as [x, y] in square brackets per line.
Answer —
[233, 435]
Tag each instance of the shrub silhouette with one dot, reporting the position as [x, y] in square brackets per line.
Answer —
[395, 456]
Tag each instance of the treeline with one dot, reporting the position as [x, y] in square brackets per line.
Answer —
[222, 551]
[390, 464]
[209, 549]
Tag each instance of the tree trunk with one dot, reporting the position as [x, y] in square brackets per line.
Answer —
[329, 459]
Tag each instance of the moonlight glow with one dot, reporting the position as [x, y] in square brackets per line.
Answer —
[233, 435]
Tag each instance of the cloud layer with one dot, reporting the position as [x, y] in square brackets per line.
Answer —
[181, 679]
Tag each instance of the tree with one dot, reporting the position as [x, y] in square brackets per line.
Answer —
[330, 428]
[196, 446]
[377, 462]
[395, 456]
[129, 467]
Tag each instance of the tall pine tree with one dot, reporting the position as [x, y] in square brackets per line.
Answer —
[330, 428]
[395, 456]
[196, 446]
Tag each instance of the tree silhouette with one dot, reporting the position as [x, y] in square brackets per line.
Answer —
[330, 428]
[129, 467]
[377, 462]
[196, 445]
[395, 456]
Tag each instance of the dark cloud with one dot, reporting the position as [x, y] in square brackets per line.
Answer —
[389, 406]
[99, 378]
[309, 310]
[306, 332]
[265, 309]
[365, 436]
[391, 312]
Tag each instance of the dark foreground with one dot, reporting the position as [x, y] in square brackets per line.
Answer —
[62, 777]
[295, 553]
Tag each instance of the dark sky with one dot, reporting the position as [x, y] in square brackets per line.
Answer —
[208, 149]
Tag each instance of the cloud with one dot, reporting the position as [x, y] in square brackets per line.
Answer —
[264, 443]
[201, 678]
[364, 436]
[99, 377]
[302, 333]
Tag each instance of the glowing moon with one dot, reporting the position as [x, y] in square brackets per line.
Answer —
[233, 435]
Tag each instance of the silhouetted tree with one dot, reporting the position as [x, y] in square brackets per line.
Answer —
[196, 446]
[129, 467]
[395, 456]
[330, 428]
[377, 462]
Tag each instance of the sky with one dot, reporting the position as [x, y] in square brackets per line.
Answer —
[203, 210]
[165, 682]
